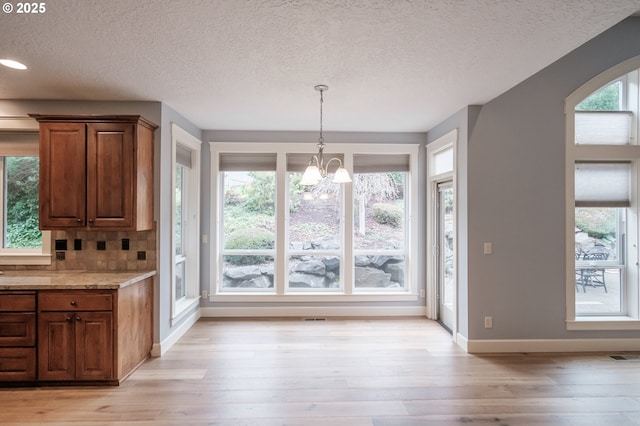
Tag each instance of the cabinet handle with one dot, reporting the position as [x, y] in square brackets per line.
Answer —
[68, 319]
[73, 303]
[79, 220]
[78, 318]
[90, 220]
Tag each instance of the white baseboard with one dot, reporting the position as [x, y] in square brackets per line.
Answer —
[158, 349]
[312, 311]
[551, 345]
[462, 342]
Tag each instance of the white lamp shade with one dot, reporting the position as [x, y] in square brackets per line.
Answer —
[341, 176]
[311, 176]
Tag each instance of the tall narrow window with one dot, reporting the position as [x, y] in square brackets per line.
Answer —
[186, 218]
[602, 196]
[380, 211]
[248, 218]
[315, 231]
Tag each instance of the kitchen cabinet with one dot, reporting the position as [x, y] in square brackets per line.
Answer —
[75, 335]
[94, 335]
[96, 172]
[74, 328]
[17, 336]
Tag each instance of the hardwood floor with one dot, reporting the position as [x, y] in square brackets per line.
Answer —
[354, 372]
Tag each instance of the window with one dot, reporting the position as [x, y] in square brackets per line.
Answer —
[186, 184]
[602, 218]
[380, 211]
[279, 239]
[22, 241]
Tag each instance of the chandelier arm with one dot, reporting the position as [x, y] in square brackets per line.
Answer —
[332, 159]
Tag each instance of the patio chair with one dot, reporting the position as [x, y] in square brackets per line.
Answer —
[592, 277]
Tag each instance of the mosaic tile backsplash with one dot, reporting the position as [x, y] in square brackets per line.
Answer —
[100, 251]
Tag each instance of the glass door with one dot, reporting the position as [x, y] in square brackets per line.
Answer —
[445, 253]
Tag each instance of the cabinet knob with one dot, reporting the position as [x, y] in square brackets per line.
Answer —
[79, 220]
[78, 318]
[68, 319]
[73, 303]
[90, 220]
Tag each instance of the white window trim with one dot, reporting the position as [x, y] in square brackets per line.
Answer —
[28, 146]
[179, 308]
[573, 153]
[281, 295]
[450, 140]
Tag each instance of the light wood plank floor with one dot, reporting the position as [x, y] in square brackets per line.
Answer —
[354, 372]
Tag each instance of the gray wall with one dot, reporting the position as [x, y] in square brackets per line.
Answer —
[307, 138]
[516, 197]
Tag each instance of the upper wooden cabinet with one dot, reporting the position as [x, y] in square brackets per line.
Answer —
[96, 172]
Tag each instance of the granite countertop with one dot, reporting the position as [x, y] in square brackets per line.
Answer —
[65, 280]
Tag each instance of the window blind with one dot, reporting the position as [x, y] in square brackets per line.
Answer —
[372, 163]
[247, 162]
[183, 156]
[603, 127]
[19, 144]
[600, 184]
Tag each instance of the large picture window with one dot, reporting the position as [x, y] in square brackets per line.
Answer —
[277, 237]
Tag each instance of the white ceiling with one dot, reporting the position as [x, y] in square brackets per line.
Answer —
[391, 65]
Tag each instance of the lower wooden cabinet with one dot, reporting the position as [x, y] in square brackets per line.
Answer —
[17, 336]
[75, 346]
[75, 336]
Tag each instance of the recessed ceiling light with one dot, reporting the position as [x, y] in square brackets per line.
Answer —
[13, 64]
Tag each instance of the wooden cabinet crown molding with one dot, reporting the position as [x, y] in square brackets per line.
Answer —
[94, 118]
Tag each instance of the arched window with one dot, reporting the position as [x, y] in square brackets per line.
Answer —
[602, 158]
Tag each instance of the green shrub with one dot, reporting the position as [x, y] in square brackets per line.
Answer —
[260, 194]
[387, 214]
[248, 239]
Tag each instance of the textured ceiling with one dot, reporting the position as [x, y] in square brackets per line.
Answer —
[391, 65]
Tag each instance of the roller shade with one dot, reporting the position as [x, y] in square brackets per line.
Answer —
[183, 156]
[299, 162]
[247, 162]
[373, 163]
[19, 144]
[603, 127]
[599, 184]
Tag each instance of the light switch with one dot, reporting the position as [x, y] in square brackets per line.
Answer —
[488, 248]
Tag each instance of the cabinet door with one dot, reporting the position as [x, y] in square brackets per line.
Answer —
[94, 345]
[56, 346]
[62, 175]
[110, 155]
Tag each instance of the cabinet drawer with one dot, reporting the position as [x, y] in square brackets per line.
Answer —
[19, 301]
[17, 329]
[70, 301]
[17, 364]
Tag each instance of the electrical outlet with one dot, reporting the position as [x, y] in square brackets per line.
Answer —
[204, 294]
[488, 322]
[422, 292]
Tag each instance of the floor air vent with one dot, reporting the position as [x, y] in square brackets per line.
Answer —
[625, 357]
[314, 319]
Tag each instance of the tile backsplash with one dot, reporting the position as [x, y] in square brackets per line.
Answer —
[100, 251]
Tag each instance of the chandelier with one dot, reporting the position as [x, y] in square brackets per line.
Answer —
[317, 169]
